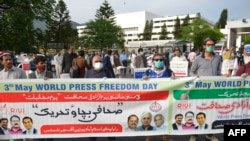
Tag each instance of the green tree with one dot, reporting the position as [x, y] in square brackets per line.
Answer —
[246, 39]
[223, 19]
[147, 33]
[59, 27]
[186, 21]
[103, 33]
[198, 30]
[163, 33]
[16, 23]
[177, 29]
[105, 12]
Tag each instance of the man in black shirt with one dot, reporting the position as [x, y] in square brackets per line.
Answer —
[67, 59]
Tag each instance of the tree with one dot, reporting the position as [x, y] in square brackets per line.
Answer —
[147, 33]
[105, 12]
[59, 28]
[163, 33]
[186, 21]
[223, 19]
[198, 30]
[177, 29]
[16, 23]
[246, 39]
[102, 32]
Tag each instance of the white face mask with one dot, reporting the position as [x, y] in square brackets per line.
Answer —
[98, 66]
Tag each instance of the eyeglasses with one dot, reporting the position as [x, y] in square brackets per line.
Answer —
[98, 61]
[158, 59]
[209, 44]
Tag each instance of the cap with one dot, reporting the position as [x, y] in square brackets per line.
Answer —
[4, 53]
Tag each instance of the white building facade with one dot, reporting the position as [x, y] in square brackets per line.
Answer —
[234, 30]
[133, 24]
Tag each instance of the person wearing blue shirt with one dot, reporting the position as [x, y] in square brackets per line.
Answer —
[158, 69]
[124, 58]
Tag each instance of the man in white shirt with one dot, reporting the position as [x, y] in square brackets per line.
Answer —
[58, 58]
[178, 55]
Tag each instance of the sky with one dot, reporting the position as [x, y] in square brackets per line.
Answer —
[82, 11]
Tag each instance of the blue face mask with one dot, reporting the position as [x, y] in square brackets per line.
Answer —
[158, 64]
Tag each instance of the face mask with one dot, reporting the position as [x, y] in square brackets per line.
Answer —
[41, 68]
[98, 66]
[209, 49]
[158, 64]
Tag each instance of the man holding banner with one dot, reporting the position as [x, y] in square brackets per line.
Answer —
[206, 64]
[158, 70]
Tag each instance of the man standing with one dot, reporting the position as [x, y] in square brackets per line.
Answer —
[207, 64]
[99, 71]
[9, 71]
[58, 58]
[124, 58]
[67, 59]
[40, 72]
[107, 63]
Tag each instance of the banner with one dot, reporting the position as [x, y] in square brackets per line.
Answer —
[68, 108]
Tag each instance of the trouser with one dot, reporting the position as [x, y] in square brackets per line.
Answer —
[58, 70]
[125, 64]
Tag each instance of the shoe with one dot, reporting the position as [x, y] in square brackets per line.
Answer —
[211, 138]
[193, 138]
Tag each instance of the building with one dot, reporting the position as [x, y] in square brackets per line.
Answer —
[133, 25]
[234, 30]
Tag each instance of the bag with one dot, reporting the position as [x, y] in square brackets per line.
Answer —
[74, 71]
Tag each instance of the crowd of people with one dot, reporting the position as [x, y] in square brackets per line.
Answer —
[111, 64]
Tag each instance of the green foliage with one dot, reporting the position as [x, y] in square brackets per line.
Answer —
[147, 33]
[105, 12]
[246, 39]
[177, 27]
[198, 30]
[223, 19]
[102, 34]
[16, 24]
[59, 28]
[186, 21]
[163, 33]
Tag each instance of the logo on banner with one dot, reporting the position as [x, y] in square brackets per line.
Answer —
[155, 107]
